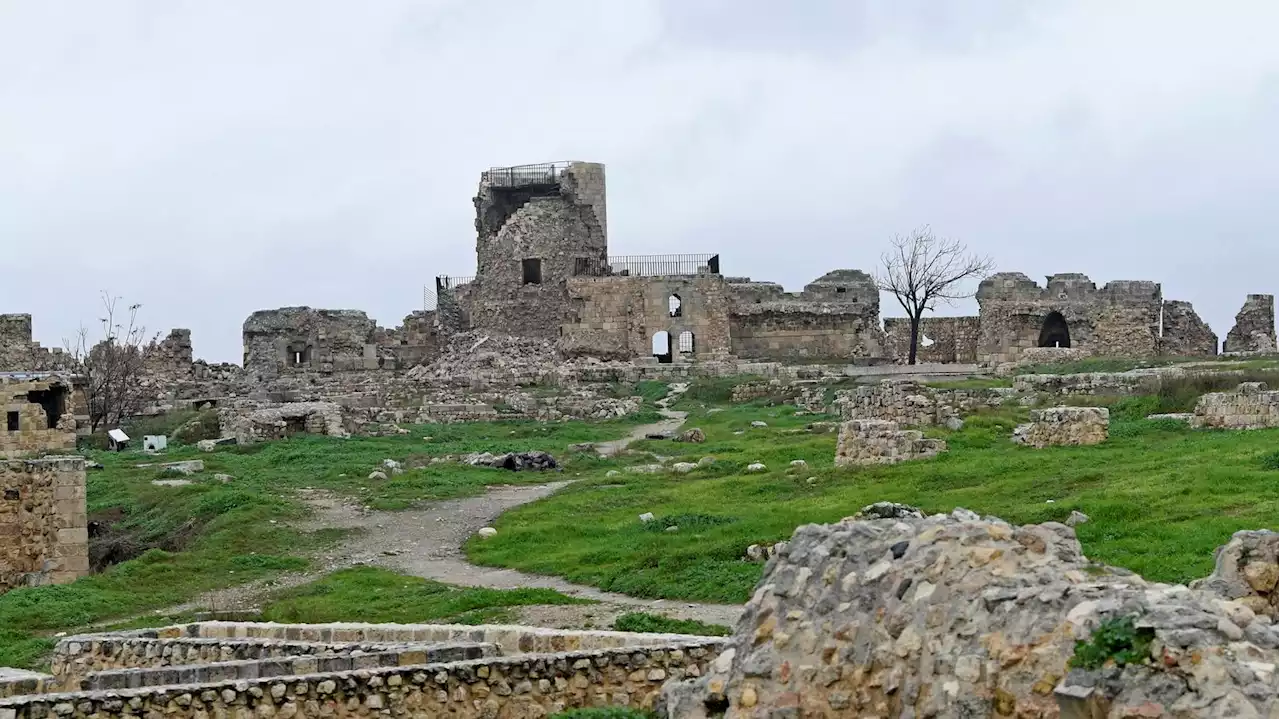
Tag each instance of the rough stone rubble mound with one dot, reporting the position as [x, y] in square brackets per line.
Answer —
[498, 358]
[514, 461]
[957, 616]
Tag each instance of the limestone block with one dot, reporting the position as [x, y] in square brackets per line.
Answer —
[1064, 426]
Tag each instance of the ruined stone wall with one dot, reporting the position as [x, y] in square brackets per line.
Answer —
[835, 317]
[1250, 406]
[249, 424]
[43, 525]
[1255, 327]
[171, 356]
[1064, 426]
[541, 671]
[1120, 319]
[913, 404]
[1184, 334]
[618, 317]
[954, 339]
[878, 441]
[40, 414]
[302, 340]
[560, 223]
[19, 353]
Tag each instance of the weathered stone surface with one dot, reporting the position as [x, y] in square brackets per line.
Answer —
[876, 441]
[1245, 569]
[954, 616]
[1069, 426]
[43, 521]
[278, 422]
[913, 404]
[692, 434]
[1255, 327]
[1185, 334]
[1250, 406]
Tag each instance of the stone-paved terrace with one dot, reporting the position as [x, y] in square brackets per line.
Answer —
[223, 669]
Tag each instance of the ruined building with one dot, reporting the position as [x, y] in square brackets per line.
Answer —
[43, 524]
[1255, 327]
[543, 270]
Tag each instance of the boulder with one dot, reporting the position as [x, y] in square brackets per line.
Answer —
[1245, 570]
[799, 463]
[683, 467]
[1076, 517]
[487, 532]
[377, 474]
[692, 435]
[757, 467]
[758, 424]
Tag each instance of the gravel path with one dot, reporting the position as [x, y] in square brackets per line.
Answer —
[426, 542]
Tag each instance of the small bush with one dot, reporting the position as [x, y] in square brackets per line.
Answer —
[688, 521]
[657, 624]
[1115, 640]
[1269, 461]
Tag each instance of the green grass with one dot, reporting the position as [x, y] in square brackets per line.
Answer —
[219, 534]
[370, 594]
[1161, 498]
[658, 624]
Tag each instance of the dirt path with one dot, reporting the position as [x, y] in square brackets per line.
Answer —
[673, 420]
[427, 542]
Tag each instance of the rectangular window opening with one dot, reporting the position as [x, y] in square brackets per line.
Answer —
[11, 421]
[532, 271]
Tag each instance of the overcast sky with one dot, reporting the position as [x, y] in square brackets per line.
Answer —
[208, 159]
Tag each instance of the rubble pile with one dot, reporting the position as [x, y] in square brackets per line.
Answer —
[954, 615]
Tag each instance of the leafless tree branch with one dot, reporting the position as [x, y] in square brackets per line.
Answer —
[920, 269]
[114, 364]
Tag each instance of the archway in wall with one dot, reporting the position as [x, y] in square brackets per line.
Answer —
[662, 346]
[1054, 332]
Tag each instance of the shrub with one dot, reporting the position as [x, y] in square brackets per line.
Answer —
[1116, 640]
[1269, 461]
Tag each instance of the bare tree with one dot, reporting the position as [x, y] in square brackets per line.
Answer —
[921, 269]
[114, 364]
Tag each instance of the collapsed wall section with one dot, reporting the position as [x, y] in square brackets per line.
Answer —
[1183, 333]
[40, 414]
[19, 353]
[1255, 327]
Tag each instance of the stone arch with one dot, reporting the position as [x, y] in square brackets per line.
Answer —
[661, 346]
[1055, 332]
[684, 343]
[674, 304]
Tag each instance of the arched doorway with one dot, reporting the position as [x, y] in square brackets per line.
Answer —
[1054, 331]
[662, 346]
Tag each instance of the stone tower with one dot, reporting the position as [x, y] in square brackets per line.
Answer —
[536, 226]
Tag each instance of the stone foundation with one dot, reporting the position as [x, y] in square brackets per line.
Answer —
[1251, 406]
[43, 526]
[875, 441]
[1064, 426]
[256, 425]
[356, 670]
[913, 404]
